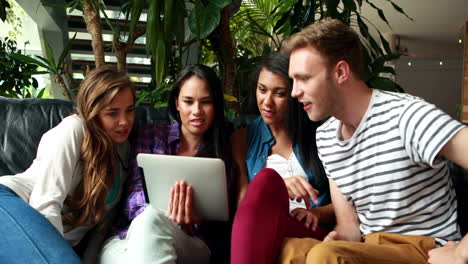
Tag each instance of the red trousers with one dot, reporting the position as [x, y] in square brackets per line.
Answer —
[262, 221]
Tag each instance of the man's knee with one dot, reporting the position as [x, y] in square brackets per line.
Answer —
[295, 250]
[325, 252]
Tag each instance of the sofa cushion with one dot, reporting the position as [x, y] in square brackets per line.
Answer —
[23, 123]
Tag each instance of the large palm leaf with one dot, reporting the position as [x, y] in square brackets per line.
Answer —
[254, 24]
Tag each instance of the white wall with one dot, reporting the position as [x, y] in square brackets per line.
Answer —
[52, 23]
[438, 84]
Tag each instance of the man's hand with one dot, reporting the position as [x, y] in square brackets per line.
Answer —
[308, 217]
[180, 207]
[333, 235]
[446, 254]
[299, 188]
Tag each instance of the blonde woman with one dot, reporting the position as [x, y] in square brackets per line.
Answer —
[75, 179]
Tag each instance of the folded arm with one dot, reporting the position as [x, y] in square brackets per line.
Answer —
[347, 222]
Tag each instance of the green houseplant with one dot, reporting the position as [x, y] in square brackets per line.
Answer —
[267, 23]
[232, 35]
[16, 75]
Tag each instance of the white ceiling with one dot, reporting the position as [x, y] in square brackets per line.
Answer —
[434, 33]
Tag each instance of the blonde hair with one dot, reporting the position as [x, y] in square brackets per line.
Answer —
[334, 40]
[97, 90]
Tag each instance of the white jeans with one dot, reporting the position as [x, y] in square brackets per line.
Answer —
[154, 238]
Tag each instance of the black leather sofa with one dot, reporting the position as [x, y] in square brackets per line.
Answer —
[22, 123]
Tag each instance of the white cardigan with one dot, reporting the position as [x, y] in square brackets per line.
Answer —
[55, 173]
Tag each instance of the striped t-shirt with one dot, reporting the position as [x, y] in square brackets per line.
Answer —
[389, 169]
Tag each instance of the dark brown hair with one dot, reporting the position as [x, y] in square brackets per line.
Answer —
[301, 130]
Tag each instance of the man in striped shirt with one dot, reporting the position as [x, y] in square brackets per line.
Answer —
[384, 153]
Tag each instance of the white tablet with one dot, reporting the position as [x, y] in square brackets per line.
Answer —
[207, 176]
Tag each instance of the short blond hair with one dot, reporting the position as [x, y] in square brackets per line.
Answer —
[335, 40]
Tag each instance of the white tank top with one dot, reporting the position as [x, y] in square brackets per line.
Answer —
[287, 168]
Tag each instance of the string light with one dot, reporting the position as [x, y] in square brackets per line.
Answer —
[409, 63]
[441, 63]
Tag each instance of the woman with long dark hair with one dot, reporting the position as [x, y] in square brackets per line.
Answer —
[196, 103]
[76, 178]
[287, 192]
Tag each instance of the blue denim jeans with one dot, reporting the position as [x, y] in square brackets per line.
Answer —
[27, 236]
